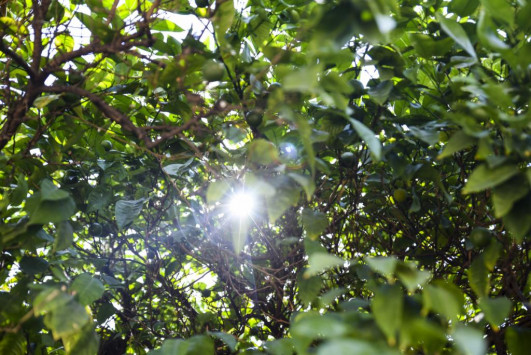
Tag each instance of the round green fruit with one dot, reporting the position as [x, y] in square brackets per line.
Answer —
[254, 118]
[358, 89]
[347, 159]
[400, 195]
[75, 78]
[213, 71]
[294, 14]
[96, 229]
[106, 144]
[202, 3]
[206, 293]
[71, 177]
[443, 136]
[480, 237]
[274, 87]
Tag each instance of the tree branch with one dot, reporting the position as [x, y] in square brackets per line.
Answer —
[17, 59]
[104, 107]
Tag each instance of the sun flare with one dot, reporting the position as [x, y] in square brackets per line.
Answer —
[241, 204]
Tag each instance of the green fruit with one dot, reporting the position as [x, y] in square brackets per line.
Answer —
[357, 89]
[202, 3]
[433, 27]
[71, 177]
[480, 237]
[400, 195]
[443, 136]
[206, 293]
[71, 98]
[254, 118]
[75, 78]
[347, 159]
[274, 87]
[106, 144]
[294, 15]
[96, 229]
[213, 71]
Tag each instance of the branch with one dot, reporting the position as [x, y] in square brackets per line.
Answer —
[104, 107]
[93, 48]
[18, 59]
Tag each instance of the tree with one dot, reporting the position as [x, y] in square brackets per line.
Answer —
[346, 176]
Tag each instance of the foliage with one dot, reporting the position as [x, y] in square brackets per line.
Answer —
[386, 145]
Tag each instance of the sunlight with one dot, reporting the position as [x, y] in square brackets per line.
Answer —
[241, 204]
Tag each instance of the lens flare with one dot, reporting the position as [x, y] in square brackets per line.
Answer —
[241, 204]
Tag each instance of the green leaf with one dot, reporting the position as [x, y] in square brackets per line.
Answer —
[20, 192]
[411, 277]
[216, 190]
[228, 339]
[306, 182]
[87, 289]
[263, 152]
[487, 33]
[309, 288]
[443, 298]
[166, 25]
[285, 197]
[427, 47]
[457, 33]
[470, 341]
[320, 262]
[50, 300]
[50, 192]
[240, 229]
[177, 169]
[383, 265]
[33, 265]
[387, 306]
[496, 310]
[427, 334]
[105, 311]
[126, 211]
[223, 17]
[201, 344]
[51, 205]
[381, 92]
[459, 141]
[369, 138]
[99, 198]
[463, 7]
[13, 344]
[84, 342]
[65, 236]
[483, 177]
[517, 221]
[280, 346]
[501, 10]
[518, 340]
[314, 222]
[478, 277]
[504, 196]
[354, 346]
[316, 326]
[303, 79]
[43, 101]
[66, 320]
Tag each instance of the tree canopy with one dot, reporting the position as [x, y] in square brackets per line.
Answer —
[263, 176]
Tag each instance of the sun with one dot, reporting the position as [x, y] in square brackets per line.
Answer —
[241, 204]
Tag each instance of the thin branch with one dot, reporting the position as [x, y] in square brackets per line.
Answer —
[104, 107]
[18, 59]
